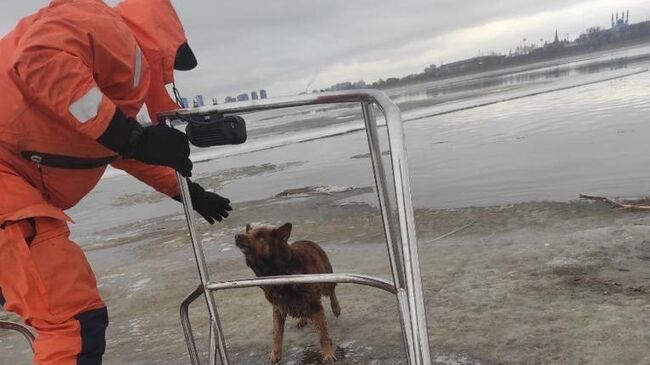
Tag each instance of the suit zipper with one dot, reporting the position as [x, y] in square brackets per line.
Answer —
[37, 160]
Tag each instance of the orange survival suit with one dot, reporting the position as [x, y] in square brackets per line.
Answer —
[67, 73]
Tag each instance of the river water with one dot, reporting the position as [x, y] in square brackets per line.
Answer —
[547, 132]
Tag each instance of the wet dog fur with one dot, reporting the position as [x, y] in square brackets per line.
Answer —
[268, 253]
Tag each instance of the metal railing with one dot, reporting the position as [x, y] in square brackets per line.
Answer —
[23, 330]
[397, 216]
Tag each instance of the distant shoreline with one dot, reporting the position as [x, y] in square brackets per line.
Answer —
[532, 61]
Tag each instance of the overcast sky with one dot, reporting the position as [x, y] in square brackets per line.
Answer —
[285, 45]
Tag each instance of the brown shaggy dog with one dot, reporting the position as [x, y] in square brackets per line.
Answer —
[268, 253]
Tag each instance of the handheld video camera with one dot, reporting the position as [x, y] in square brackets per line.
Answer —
[208, 130]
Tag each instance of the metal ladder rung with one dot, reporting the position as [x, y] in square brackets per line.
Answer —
[304, 279]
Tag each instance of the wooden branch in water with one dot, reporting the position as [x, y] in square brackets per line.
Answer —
[615, 203]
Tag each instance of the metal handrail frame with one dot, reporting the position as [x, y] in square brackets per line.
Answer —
[399, 234]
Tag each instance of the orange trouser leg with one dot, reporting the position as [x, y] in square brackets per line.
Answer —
[48, 282]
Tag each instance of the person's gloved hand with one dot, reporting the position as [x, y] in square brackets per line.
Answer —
[211, 206]
[162, 145]
[155, 145]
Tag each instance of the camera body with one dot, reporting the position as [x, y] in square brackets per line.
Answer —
[208, 130]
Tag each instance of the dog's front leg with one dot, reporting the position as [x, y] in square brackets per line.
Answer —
[325, 341]
[279, 318]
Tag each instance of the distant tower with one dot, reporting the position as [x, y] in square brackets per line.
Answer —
[254, 95]
[185, 103]
[263, 94]
[621, 22]
[215, 101]
[199, 100]
[613, 23]
[557, 39]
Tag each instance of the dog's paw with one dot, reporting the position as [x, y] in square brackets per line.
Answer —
[274, 357]
[302, 323]
[328, 357]
[337, 311]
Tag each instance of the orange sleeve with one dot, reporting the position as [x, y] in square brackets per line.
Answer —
[53, 67]
[161, 178]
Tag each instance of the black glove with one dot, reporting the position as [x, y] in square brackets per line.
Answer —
[211, 206]
[155, 145]
[162, 145]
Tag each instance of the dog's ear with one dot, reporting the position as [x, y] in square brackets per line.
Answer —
[248, 228]
[283, 232]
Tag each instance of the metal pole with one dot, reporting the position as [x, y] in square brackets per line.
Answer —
[409, 241]
[305, 279]
[212, 348]
[203, 271]
[379, 174]
[395, 255]
[187, 325]
[407, 326]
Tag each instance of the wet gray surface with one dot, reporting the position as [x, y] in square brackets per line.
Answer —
[551, 283]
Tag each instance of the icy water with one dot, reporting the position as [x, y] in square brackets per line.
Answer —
[529, 134]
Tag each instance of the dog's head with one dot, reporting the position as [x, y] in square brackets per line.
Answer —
[264, 244]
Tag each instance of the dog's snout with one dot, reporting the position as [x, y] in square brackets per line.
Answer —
[239, 239]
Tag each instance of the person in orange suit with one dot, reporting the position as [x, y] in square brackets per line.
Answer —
[74, 75]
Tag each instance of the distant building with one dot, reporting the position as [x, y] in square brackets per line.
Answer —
[242, 97]
[342, 86]
[348, 86]
[215, 101]
[431, 69]
[199, 100]
[185, 102]
[230, 99]
[622, 22]
[263, 94]
[471, 64]
[254, 95]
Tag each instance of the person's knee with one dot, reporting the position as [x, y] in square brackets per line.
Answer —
[61, 266]
[93, 326]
